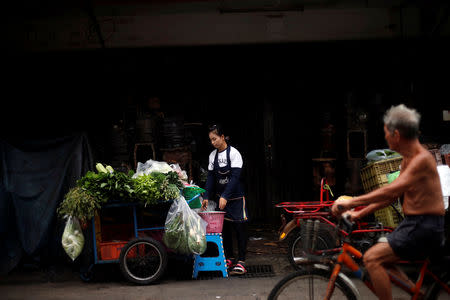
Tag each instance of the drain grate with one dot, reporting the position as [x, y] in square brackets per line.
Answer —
[258, 271]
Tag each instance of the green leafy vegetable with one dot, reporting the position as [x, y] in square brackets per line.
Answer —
[173, 178]
[78, 203]
[153, 188]
[108, 186]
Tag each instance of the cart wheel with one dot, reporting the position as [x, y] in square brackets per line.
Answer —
[87, 275]
[143, 261]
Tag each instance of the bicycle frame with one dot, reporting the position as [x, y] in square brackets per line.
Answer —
[321, 216]
[316, 210]
[312, 206]
[345, 259]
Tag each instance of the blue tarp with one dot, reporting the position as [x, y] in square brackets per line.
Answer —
[35, 176]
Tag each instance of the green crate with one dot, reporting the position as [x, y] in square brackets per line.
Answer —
[375, 174]
[388, 216]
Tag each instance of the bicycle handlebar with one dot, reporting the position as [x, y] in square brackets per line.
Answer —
[347, 221]
[348, 224]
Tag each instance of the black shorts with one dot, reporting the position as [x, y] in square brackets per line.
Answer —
[417, 237]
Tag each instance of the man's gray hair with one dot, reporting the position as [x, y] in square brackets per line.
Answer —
[405, 120]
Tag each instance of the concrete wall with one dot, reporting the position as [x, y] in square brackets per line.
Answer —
[139, 28]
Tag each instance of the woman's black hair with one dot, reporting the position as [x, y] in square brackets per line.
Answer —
[218, 129]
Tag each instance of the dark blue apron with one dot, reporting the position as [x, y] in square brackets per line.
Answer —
[235, 209]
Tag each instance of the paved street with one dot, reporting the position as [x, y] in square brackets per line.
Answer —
[64, 283]
[220, 288]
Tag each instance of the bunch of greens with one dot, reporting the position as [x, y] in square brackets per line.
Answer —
[153, 188]
[173, 178]
[168, 191]
[96, 188]
[107, 186]
[78, 203]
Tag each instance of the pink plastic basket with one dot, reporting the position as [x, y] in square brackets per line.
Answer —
[214, 219]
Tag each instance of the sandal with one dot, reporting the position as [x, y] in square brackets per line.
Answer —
[230, 263]
[238, 269]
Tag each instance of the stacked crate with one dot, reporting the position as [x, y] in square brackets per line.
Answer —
[375, 175]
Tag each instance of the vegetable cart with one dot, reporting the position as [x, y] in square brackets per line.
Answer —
[140, 252]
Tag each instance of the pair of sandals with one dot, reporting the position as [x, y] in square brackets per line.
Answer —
[236, 269]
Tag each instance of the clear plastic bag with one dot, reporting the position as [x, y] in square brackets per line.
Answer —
[72, 239]
[181, 174]
[185, 230]
[381, 154]
[152, 166]
[212, 205]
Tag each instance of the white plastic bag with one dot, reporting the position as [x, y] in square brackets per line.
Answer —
[381, 154]
[181, 174]
[72, 238]
[212, 205]
[152, 166]
[185, 230]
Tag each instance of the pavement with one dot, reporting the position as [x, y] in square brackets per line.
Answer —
[63, 282]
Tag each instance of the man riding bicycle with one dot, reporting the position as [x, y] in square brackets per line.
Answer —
[422, 231]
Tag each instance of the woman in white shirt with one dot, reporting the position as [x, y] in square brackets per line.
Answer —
[224, 186]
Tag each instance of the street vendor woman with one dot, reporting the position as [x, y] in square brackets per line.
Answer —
[223, 186]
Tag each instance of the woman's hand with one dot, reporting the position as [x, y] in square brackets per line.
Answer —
[204, 204]
[222, 203]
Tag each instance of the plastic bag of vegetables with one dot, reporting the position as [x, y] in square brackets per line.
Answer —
[72, 238]
[185, 230]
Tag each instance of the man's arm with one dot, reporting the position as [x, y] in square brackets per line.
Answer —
[410, 177]
[369, 209]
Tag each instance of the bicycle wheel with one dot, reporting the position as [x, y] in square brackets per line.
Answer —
[310, 284]
[437, 292]
[143, 261]
[297, 252]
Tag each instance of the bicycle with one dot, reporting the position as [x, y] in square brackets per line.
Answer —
[326, 279]
[297, 234]
[319, 237]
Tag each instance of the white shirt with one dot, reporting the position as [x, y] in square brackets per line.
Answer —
[235, 157]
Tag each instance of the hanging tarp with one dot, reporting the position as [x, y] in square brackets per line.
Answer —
[35, 175]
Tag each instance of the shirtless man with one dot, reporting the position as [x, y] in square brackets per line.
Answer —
[422, 230]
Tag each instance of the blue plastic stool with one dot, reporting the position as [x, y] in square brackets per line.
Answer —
[217, 263]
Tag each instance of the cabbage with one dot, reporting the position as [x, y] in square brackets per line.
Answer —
[72, 238]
